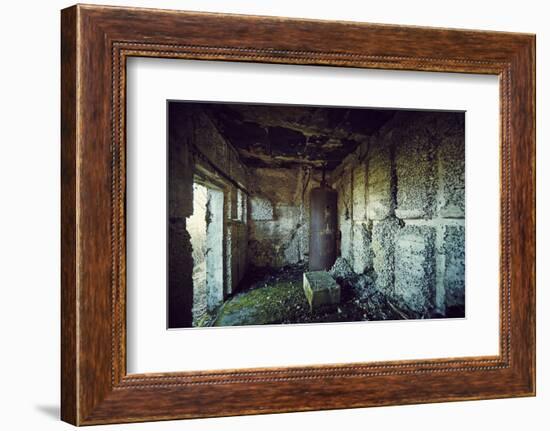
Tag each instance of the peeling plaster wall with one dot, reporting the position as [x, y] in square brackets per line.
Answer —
[401, 211]
[279, 216]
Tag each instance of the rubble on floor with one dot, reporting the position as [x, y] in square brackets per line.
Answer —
[276, 296]
[361, 289]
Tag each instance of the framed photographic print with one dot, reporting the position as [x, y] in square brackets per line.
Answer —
[266, 214]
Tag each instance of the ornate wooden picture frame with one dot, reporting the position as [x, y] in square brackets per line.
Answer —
[96, 41]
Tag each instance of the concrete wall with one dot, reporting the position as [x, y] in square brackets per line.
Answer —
[198, 151]
[401, 211]
[219, 163]
[400, 208]
[236, 238]
[180, 206]
[279, 216]
[214, 249]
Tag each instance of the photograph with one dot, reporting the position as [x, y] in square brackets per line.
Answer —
[307, 214]
[300, 214]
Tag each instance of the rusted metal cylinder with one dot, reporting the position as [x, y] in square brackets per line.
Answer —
[323, 228]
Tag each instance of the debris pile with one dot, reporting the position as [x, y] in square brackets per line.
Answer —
[341, 269]
[360, 289]
[270, 296]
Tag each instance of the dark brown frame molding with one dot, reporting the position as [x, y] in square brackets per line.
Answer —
[95, 43]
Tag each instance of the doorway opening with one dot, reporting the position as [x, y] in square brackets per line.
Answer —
[205, 228]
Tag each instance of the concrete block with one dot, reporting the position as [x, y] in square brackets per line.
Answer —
[383, 246]
[416, 177]
[362, 252]
[414, 288]
[320, 289]
[280, 242]
[261, 209]
[292, 247]
[451, 165]
[453, 246]
[379, 199]
[346, 241]
[359, 193]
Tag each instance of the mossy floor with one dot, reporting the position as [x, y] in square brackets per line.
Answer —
[277, 297]
[275, 303]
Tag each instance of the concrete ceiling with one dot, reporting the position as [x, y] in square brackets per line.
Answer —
[289, 136]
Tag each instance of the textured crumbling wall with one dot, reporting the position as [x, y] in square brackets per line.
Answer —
[236, 238]
[180, 206]
[350, 179]
[279, 216]
[196, 149]
[401, 211]
[218, 162]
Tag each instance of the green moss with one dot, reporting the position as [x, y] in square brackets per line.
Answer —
[262, 306]
[278, 298]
